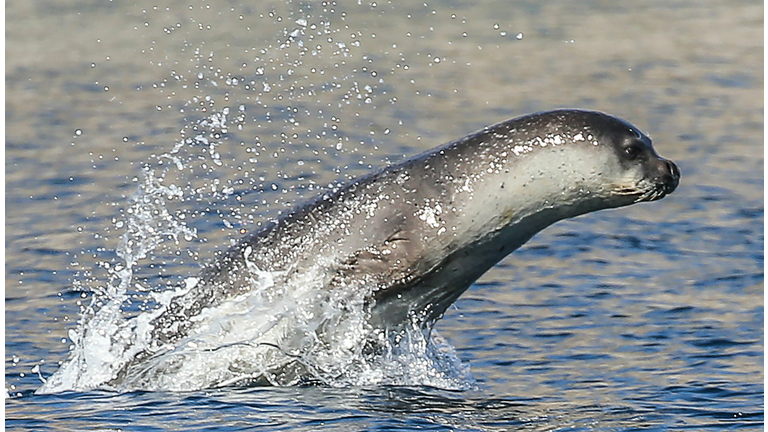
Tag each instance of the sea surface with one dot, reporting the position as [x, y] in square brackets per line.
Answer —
[649, 317]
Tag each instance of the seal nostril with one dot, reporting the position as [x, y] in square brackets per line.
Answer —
[673, 169]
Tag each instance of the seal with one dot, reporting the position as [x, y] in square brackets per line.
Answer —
[414, 236]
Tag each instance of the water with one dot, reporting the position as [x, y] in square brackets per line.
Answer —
[644, 318]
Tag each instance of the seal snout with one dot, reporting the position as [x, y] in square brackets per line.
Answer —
[670, 177]
[663, 179]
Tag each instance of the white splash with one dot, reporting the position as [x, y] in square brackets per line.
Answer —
[106, 339]
[294, 334]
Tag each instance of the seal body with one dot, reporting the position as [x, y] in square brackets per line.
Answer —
[417, 234]
[404, 243]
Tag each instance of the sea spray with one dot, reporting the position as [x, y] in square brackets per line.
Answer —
[107, 337]
[282, 331]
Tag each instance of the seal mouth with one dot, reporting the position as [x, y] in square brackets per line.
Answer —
[659, 191]
[647, 191]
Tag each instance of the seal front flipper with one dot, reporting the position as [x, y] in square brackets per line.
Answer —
[401, 291]
[386, 272]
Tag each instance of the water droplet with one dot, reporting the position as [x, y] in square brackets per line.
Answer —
[519, 36]
[78, 132]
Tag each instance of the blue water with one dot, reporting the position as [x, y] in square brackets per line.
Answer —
[645, 318]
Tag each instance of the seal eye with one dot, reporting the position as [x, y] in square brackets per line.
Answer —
[633, 151]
